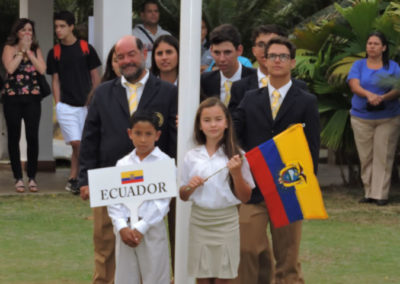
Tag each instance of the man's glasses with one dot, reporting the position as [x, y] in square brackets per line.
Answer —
[282, 57]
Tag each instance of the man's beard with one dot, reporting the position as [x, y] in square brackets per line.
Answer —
[136, 75]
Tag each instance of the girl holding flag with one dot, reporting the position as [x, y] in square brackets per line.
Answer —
[216, 180]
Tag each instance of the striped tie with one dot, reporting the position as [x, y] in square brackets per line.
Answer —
[227, 85]
[264, 82]
[275, 103]
[133, 101]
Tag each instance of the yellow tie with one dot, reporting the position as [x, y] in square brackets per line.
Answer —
[133, 101]
[275, 103]
[227, 85]
[264, 82]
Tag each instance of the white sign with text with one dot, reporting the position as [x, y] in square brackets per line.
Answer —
[133, 184]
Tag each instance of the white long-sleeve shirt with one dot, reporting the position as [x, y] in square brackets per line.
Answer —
[151, 211]
[215, 193]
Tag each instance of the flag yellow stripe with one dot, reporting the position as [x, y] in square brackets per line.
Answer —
[131, 173]
[293, 147]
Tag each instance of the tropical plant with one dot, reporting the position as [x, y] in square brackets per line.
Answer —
[326, 51]
[243, 14]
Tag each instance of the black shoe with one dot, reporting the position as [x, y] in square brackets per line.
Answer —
[382, 202]
[72, 186]
[366, 200]
[70, 182]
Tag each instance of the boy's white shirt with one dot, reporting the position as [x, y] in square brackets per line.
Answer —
[150, 212]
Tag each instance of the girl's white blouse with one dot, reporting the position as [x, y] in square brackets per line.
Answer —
[215, 193]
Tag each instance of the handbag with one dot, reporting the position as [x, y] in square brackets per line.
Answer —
[45, 89]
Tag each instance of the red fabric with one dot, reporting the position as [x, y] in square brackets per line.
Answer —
[83, 44]
[57, 51]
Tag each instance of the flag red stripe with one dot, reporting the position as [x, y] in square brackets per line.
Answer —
[266, 184]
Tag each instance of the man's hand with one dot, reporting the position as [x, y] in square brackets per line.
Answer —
[130, 237]
[84, 192]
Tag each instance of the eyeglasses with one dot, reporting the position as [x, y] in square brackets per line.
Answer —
[282, 57]
[261, 44]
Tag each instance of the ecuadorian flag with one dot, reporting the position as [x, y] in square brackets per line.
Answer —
[132, 176]
[284, 172]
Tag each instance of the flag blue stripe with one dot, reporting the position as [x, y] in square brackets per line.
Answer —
[288, 195]
[135, 178]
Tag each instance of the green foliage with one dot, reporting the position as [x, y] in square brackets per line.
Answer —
[8, 15]
[328, 47]
[360, 18]
[245, 15]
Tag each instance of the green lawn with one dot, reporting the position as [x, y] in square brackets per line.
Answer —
[45, 239]
[48, 239]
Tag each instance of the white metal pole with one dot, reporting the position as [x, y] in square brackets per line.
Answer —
[189, 94]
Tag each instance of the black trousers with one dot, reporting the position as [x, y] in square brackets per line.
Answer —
[30, 113]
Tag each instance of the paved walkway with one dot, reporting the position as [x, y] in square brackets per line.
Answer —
[55, 182]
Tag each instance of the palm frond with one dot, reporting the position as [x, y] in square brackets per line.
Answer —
[332, 134]
[339, 70]
[361, 18]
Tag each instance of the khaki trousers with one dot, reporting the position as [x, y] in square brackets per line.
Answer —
[104, 247]
[376, 141]
[256, 257]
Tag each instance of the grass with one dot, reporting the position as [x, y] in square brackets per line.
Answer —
[48, 239]
[45, 239]
[359, 243]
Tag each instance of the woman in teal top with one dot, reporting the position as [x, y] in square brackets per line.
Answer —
[375, 118]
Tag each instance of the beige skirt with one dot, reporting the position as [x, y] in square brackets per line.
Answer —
[214, 248]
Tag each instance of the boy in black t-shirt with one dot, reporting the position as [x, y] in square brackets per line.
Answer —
[73, 65]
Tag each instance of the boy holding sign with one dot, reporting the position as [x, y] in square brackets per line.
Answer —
[142, 247]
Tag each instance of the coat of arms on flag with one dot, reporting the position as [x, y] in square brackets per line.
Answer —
[283, 170]
[132, 176]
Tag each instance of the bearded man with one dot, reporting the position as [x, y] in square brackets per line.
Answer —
[105, 139]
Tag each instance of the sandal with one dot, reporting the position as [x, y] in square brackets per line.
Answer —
[19, 186]
[33, 186]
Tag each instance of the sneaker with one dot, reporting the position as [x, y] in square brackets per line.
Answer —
[68, 185]
[72, 185]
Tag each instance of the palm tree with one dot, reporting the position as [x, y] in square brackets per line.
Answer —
[326, 52]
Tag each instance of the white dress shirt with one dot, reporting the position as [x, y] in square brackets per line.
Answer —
[150, 212]
[237, 76]
[282, 91]
[139, 91]
[215, 193]
[260, 76]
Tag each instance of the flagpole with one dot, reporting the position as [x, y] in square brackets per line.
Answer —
[189, 94]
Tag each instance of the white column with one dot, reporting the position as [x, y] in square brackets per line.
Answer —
[41, 12]
[112, 20]
[189, 93]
